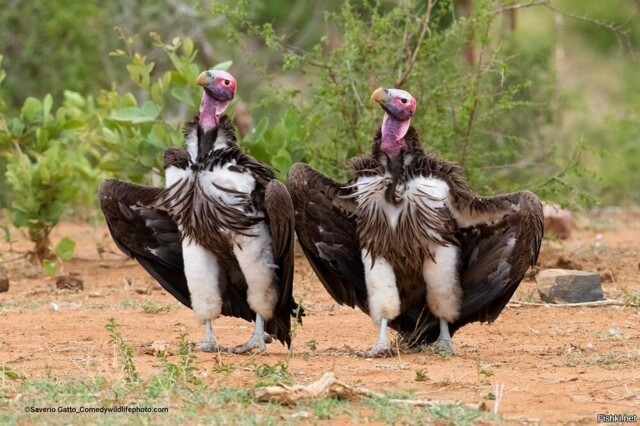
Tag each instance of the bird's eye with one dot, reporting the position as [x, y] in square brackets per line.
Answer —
[227, 82]
[403, 100]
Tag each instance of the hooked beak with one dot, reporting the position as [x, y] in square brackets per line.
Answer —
[204, 79]
[380, 95]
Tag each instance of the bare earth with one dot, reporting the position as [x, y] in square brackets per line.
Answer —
[555, 364]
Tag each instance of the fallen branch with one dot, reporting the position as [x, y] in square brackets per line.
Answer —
[608, 302]
[328, 386]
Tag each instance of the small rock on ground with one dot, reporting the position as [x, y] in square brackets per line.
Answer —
[569, 286]
[4, 285]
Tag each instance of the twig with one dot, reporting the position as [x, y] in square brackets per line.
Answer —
[330, 387]
[608, 302]
[499, 394]
[412, 59]
[621, 35]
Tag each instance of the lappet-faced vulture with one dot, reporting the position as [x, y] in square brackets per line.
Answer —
[220, 236]
[408, 241]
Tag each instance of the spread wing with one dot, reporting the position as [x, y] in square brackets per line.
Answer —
[145, 233]
[502, 240]
[327, 234]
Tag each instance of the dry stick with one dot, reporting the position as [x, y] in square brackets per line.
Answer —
[608, 302]
[330, 387]
[425, 30]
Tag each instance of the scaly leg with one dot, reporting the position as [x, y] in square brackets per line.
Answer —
[381, 348]
[443, 344]
[256, 341]
[209, 343]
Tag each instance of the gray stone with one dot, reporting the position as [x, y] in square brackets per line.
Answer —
[569, 286]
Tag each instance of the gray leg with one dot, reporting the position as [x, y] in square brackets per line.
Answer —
[443, 344]
[209, 343]
[381, 348]
[256, 341]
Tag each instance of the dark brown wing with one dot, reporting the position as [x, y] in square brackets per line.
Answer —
[327, 234]
[280, 218]
[145, 233]
[495, 256]
[502, 240]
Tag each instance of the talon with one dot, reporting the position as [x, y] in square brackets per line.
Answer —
[378, 351]
[209, 347]
[443, 347]
[255, 342]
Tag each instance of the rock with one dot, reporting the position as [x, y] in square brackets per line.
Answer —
[69, 282]
[4, 284]
[569, 286]
[557, 221]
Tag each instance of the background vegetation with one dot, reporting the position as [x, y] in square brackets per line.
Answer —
[538, 94]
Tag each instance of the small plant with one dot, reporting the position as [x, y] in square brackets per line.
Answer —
[421, 375]
[485, 371]
[64, 250]
[8, 374]
[48, 164]
[312, 345]
[224, 368]
[269, 375]
[151, 307]
[125, 351]
[631, 298]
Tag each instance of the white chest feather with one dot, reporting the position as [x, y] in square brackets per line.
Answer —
[422, 192]
[228, 186]
[173, 174]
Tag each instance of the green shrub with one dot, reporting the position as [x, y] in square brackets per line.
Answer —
[49, 165]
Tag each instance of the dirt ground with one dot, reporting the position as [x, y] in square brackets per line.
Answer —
[554, 364]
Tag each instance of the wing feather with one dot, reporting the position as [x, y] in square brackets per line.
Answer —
[146, 233]
[327, 233]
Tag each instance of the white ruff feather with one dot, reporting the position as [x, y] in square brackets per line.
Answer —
[421, 192]
[173, 174]
[202, 272]
[192, 144]
[230, 180]
[255, 256]
[384, 300]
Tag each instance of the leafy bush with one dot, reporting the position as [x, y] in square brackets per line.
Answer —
[48, 164]
[134, 133]
[486, 114]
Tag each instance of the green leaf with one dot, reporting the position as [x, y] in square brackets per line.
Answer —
[47, 104]
[149, 112]
[8, 373]
[50, 267]
[223, 65]
[66, 248]
[184, 95]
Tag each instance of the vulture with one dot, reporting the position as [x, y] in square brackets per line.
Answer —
[220, 236]
[408, 241]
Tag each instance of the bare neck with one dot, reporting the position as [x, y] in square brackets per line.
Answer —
[210, 111]
[393, 132]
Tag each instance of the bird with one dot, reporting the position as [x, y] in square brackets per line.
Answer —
[219, 236]
[408, 241]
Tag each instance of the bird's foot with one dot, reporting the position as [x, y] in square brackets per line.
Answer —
[377, 351]
[209, 346]
[443, 347]
[255, 342]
